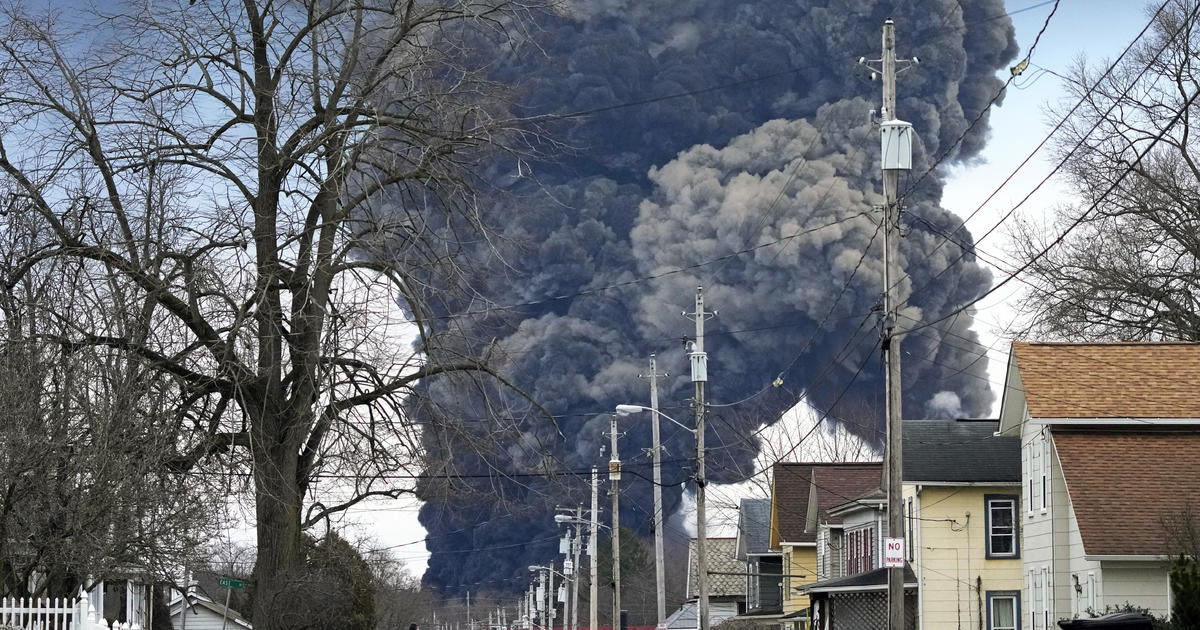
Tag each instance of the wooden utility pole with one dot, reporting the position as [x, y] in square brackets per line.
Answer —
[699, 361]
[896, 156]
[594, 583]
[660, 579]
[576, 546]
[614, 482]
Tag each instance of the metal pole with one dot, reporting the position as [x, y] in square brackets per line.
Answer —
[660, 578]
[614, 478]
[225, 613]
[699, 377]
[593, 581]
[891, 341]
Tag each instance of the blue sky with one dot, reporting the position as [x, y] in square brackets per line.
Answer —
[1097, 30]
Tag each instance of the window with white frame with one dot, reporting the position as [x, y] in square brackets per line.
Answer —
[1047, 598]
[1035, 471]
[1091, 592]
[1034, 583]
[1003, 610]
[1000, 521]
[911, 534]
[1045, 473]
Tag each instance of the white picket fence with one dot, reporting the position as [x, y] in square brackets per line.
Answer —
[54, 614]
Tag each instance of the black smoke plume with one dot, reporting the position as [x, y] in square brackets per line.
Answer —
[601, 248]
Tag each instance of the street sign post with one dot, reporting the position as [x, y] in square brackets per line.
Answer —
[893, 553]
[229, 584]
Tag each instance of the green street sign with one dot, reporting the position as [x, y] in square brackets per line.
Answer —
[230, 583]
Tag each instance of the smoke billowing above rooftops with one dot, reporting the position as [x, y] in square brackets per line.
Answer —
[761, 192]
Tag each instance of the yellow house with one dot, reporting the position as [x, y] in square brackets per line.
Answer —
[801, 495]
[962, 487]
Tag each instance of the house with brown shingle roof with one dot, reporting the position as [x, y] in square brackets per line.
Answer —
[1110, 451]
[802, 495]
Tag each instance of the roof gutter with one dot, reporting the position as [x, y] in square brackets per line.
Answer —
[1131, 557]
[1120, 422]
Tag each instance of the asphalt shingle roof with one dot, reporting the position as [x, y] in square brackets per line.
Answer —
[725, 577]
[1110, 380]
[1124, 484]
[754, 525]
[960, 451]
[834, 484]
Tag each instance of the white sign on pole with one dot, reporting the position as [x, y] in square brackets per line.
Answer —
[893, 553]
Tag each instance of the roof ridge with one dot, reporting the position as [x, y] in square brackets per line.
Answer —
[1107, 343]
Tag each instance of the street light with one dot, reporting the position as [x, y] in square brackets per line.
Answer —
[701, 524]
[550, 593]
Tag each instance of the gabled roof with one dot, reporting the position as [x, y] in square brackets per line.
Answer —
[726, 574]
[198, 603]
[754, 527]
[687, 617]
[1109, 380]
[1124, 484]
[803, 493]
[963, 451]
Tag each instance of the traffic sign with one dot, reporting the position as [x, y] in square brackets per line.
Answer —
[893, 553]
[231, 583]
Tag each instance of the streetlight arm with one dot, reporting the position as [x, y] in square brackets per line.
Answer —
[625, 410]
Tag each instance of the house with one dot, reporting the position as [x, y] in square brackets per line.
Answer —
[726, 586]
[762, 565]
[962, 484]
[801, 497]
[850, 592]
[1110, 455]
[202, 613]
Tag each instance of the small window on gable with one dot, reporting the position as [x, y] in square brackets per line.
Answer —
[1000, 514]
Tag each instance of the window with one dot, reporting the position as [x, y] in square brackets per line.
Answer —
[1091, 592]
[860, 550]
[1000, 514]
[1045, 473]
[1003, 610]
[1035, 594]
[911, 534]
[1035, 483]
[1047, 602]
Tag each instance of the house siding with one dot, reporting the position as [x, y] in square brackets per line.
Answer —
[951, 562]
[798, 561]
[1141, 584]
[1045, 533]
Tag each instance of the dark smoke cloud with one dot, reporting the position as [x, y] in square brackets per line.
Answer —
[667, 185]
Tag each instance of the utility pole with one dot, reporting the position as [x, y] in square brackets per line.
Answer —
[660, 578]
[551, 597]
[593, 583]
[896, 146]
[699, 361]
[576, 545]
[541, 599]
[614, 482]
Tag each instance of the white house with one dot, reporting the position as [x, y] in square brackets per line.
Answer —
[1110, 452]
[201, 613]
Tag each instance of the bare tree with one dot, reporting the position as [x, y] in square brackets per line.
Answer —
[1130, 268]
[253, 188]
[85, 442]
